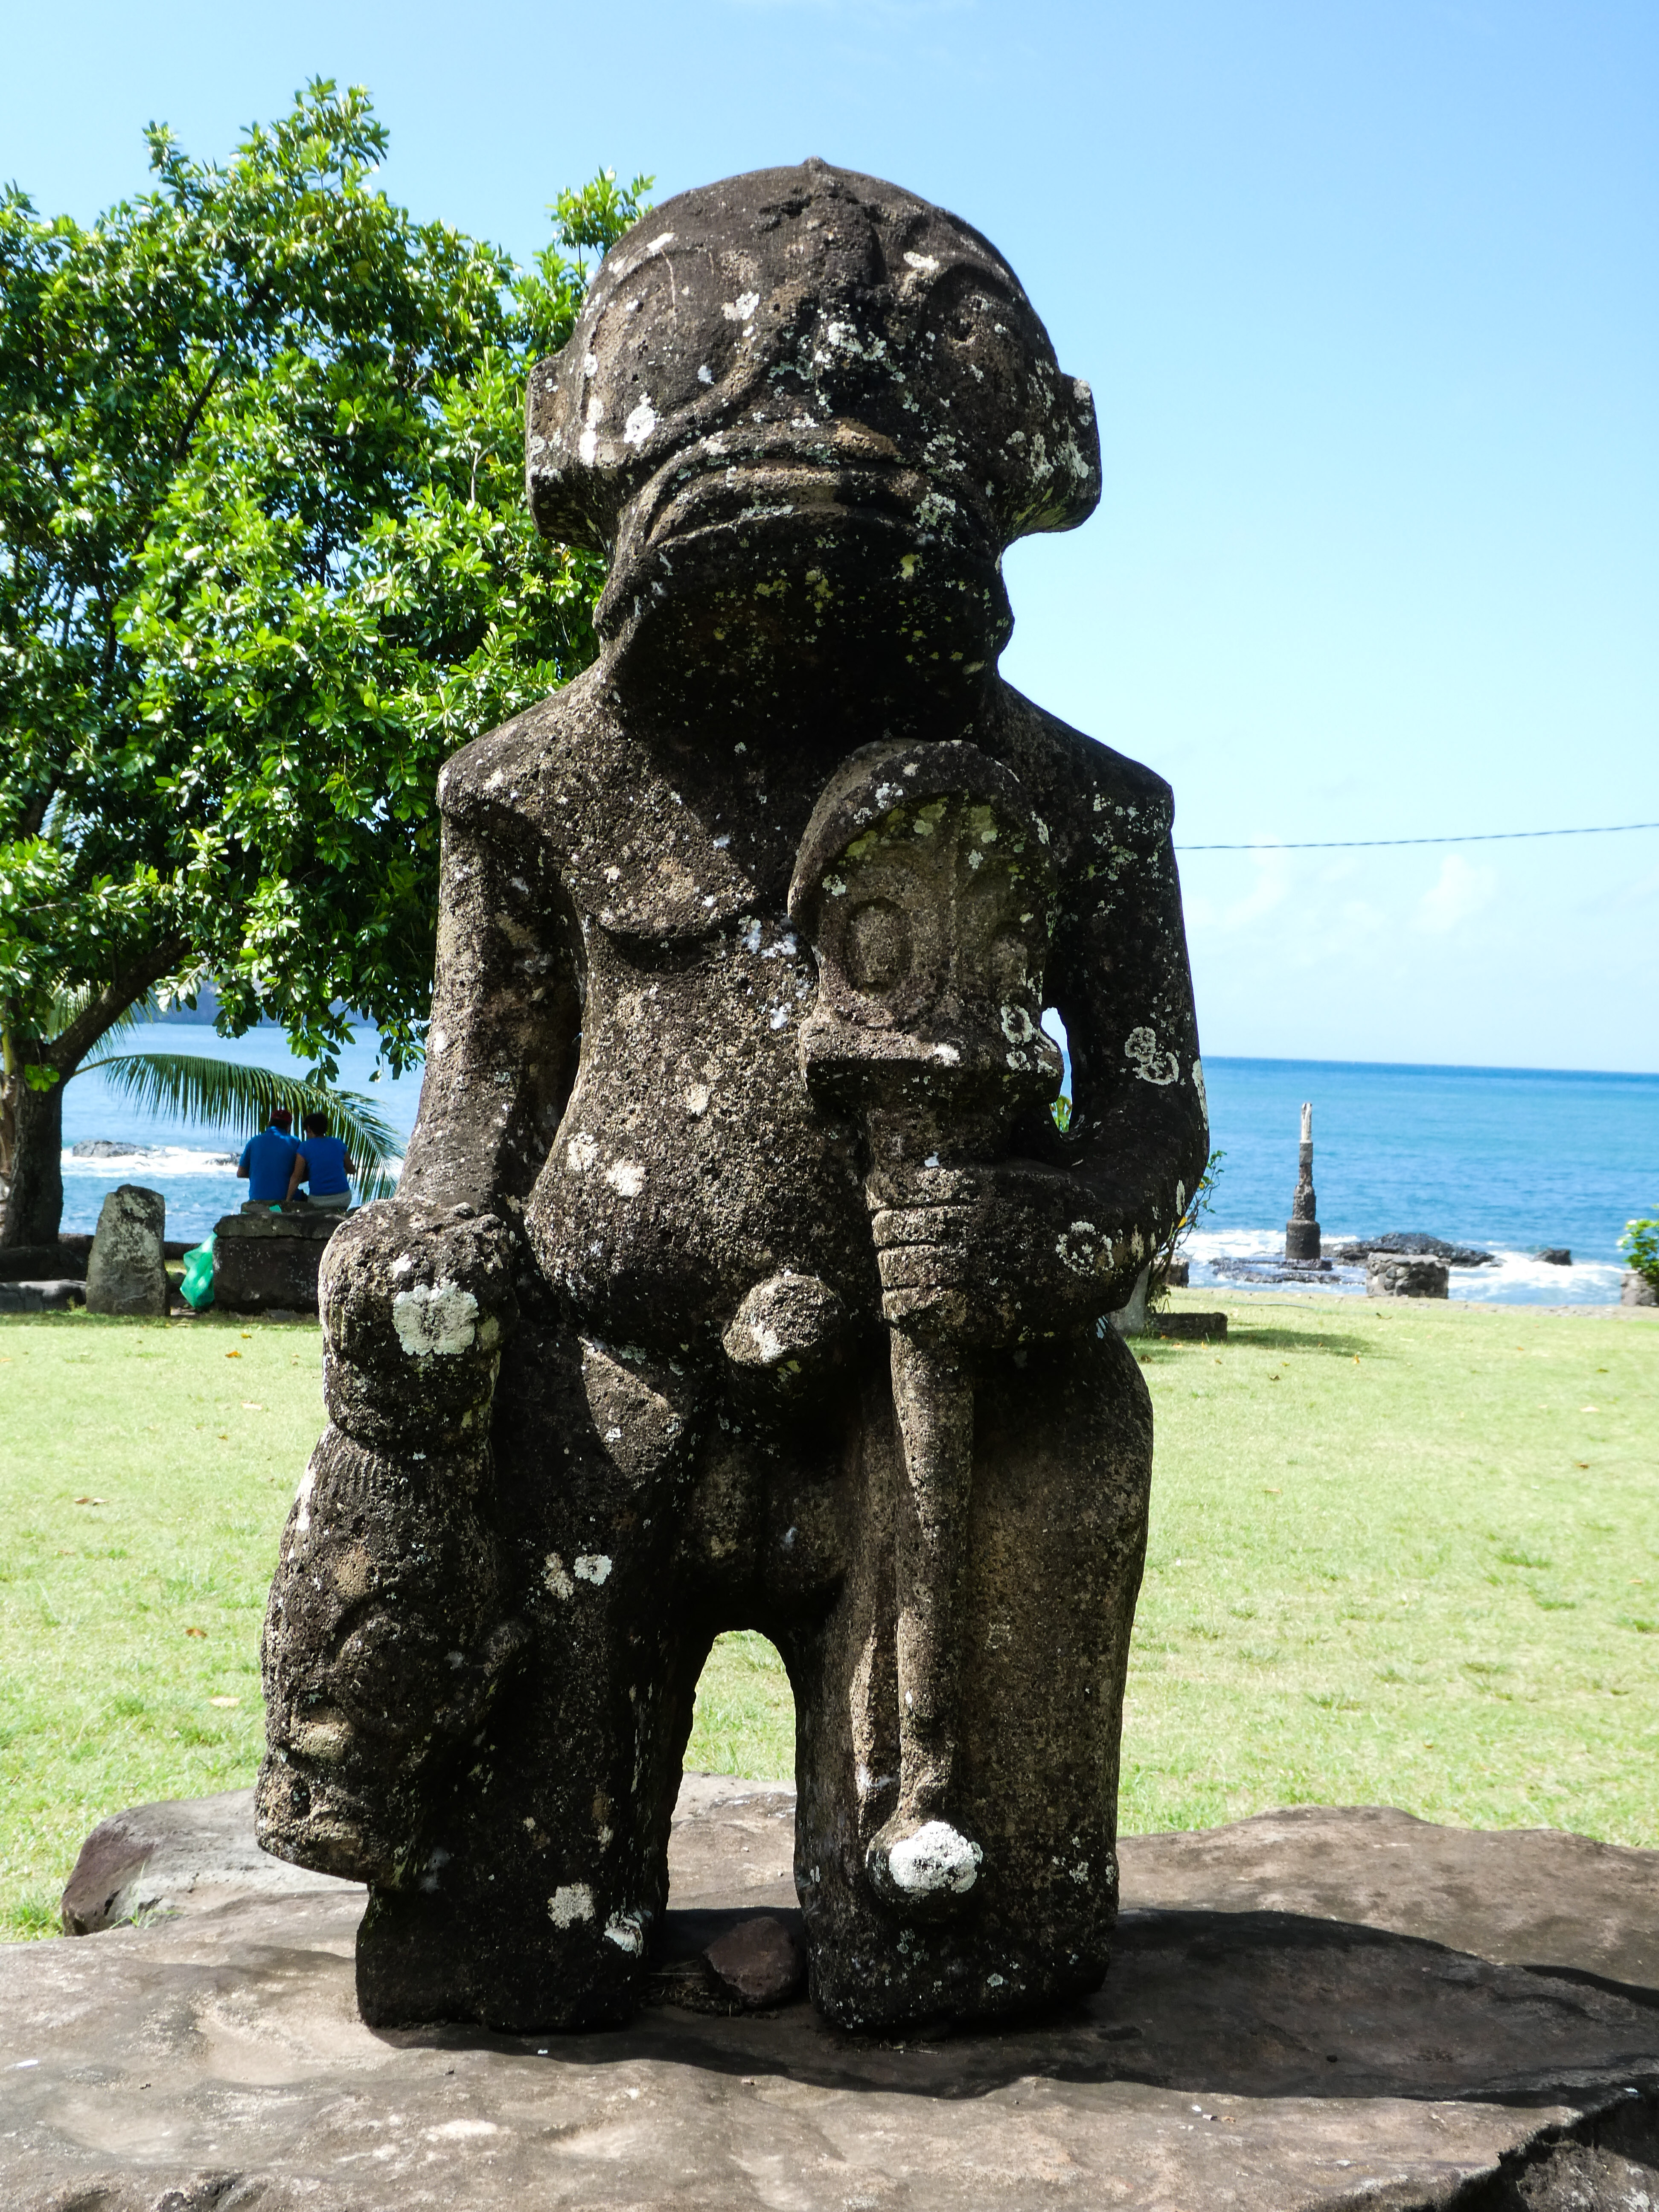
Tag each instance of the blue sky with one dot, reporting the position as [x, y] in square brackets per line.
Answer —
[1366, 295]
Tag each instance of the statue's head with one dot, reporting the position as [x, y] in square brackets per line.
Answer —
[804, 412]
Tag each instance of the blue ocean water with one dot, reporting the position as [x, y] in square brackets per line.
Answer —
[1505, 1158]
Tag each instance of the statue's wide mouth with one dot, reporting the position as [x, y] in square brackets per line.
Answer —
[834, 474]
[720, 496]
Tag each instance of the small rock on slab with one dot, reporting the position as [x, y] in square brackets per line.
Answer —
[761, 1961]
[126, 1273]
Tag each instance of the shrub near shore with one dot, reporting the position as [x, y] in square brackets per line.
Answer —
[1399, 1555]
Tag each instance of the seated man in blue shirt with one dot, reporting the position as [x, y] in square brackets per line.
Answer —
[266, 1160]
[323, 1163]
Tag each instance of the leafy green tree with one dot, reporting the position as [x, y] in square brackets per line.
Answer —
[265, 562]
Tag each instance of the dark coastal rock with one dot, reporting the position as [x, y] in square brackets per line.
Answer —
[1391, 1276]
[738, 1275]
[102, 1148]
[1553, 1256]
[1317, 2009]
[1269, 1267]
[264, 1260]
[126, 1272]
[1409, 1241]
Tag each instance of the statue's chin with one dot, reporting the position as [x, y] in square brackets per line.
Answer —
[780, 613]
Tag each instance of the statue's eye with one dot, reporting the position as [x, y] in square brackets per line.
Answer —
[876, 945]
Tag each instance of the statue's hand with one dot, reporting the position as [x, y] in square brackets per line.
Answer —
[417, 1302]
[991, 1255]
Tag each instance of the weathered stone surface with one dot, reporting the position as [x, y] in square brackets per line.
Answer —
[738, 1275]
[191, 1854]
[1519, 1896]
[1388, 1277]
[31, 1263]
[126, 1272]
[1636, 1289]
[267, 1259]
[54, 1295]
[1271, 2059]
[1185, 1322]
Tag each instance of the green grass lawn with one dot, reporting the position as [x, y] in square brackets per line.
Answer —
[1403, 1555]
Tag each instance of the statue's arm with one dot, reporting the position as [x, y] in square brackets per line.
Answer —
[1137, 1142]
[386, 1636]
[502, 1048]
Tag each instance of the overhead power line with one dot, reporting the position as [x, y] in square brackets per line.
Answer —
[1476, 837]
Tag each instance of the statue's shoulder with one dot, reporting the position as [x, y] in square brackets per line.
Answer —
[633, 842]
[536, 766]
[1087, 793]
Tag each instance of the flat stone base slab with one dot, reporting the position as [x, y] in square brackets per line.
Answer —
[1266, 2059]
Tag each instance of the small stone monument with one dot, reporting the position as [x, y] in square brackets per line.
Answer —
[1406, 1275]
[1301, 1230]
[271, 1259]
[738, 1276]
[126, 1271]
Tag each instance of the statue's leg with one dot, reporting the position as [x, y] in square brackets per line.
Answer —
[1057, 1525]
[546, 1870]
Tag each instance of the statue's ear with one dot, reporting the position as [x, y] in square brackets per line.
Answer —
[563, 490]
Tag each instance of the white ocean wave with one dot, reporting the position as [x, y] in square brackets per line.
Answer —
[1515, 1277]
[149, 1159]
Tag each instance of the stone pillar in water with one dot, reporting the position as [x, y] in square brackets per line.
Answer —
[1301, 1230]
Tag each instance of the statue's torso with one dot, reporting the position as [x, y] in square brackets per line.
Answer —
[665, 1197]
[691, 1162]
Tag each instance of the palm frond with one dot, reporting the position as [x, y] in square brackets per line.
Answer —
[228, 1094]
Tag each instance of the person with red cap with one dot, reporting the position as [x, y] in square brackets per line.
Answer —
[266, 1161]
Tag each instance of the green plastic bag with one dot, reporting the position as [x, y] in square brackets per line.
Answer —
[196, 1287]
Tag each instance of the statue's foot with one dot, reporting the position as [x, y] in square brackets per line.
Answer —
[922, 1865]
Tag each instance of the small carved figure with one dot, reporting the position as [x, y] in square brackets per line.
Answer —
[739, 1276]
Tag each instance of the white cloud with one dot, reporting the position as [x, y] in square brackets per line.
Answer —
[1461, 891]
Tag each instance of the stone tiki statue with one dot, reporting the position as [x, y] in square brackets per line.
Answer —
[739, 1276]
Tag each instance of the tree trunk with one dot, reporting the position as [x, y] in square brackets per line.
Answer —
[34, 1200]
[33, 1121]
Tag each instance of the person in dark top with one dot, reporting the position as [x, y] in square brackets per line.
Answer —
[266, 1160]
[324, 1164]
